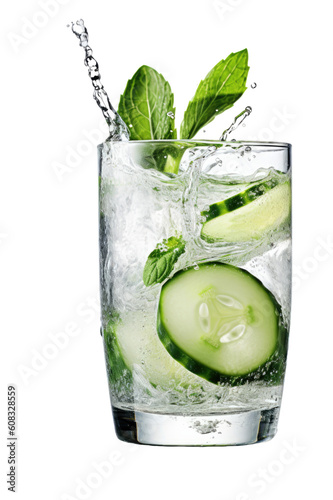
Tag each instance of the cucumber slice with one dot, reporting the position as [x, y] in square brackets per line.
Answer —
[135, 343]
[249, 214]
[120, 376]
[221, 323]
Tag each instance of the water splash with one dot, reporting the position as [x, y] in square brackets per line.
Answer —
[117, 127]
[253, 85]
[236, 123]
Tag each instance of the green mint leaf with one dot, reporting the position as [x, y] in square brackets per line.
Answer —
[162, 260]
[221, 88]
[145, 104]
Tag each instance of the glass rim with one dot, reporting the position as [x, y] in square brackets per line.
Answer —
[199, 142]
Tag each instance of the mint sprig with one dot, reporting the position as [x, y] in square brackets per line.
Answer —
[147, 104]
[161, 261]
[147, 107]
[221, 88]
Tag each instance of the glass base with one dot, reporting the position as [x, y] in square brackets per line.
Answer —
[229, 429]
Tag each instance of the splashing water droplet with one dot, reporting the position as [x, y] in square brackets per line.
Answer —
[236, 123]
[170, 114]
[248, 149]
[210, 150]
[117, 127]
[253, 85]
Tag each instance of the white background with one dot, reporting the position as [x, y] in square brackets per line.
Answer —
[49, 237]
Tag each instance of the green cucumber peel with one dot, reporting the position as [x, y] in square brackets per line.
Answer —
[239, 200]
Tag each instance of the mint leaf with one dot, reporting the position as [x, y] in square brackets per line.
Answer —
[145, 104]
[221, 88]
[162, 260]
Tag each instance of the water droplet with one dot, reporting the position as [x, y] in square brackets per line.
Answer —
[165, 156]
[253, 85]
[130, 125]
[236, 123]
[117, 127]
[216, 110]
[209, 151]
[248, 149]
[171, 114]
[171, 131]
[204, 131]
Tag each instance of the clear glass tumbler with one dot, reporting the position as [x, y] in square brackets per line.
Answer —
[195, 265]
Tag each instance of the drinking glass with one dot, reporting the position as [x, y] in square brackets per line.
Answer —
[195, 268]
